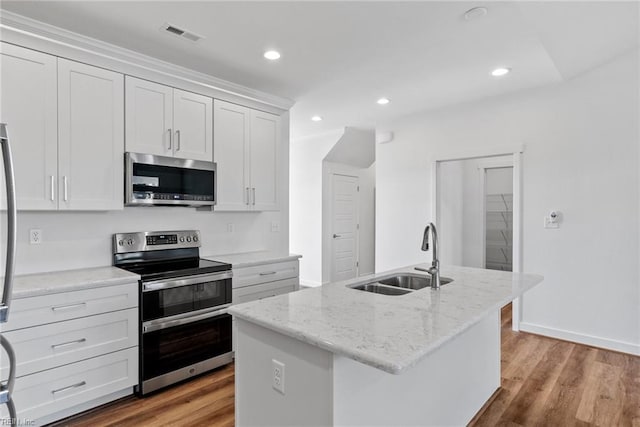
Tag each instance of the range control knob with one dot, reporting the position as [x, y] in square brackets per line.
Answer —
[188, 238]
[130, 242]
[181, 239]
[195, 238]
[120, 242]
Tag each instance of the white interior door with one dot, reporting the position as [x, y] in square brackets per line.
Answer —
[344, 226]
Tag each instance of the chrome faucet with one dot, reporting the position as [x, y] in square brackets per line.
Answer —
[434, 270]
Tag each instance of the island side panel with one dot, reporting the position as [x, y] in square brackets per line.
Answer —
[308, 380]
[447, 387]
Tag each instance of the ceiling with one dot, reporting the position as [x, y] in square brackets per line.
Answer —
[338, 58]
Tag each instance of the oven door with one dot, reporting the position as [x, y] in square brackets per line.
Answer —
[171, 297]
[169, 345]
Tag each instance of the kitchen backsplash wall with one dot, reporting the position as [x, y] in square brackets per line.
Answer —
[83, 239]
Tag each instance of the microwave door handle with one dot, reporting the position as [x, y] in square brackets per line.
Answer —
[11, 223]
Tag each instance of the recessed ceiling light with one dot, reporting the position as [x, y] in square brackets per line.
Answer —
[383, 101]
[498, 72]
[316, 118]
[272, 55]
[475, 12]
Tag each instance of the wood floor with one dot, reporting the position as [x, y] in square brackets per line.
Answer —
[545, 382]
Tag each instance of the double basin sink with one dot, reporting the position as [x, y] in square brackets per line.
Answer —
[399, 284]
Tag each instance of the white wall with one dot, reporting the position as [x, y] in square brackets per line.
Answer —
[581, 158]
[305, 210]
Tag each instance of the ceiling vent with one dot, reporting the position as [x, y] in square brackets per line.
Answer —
[181, 32]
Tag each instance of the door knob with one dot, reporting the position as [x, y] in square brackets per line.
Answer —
[336, 236]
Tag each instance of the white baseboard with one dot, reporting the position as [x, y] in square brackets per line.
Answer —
[609, 344]
[309, 284]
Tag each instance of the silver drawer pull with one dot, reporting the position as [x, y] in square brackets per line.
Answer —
[64, 344]
[76, 385]
[268, 273]
[68, 307]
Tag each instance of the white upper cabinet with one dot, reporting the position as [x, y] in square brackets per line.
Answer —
[28, 106]
[193, 121]
[66, 128]
[149, 123]
[246, 149]
[90, 137]
[165, 121]
[265, 137]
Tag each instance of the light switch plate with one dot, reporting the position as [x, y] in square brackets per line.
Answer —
[230, 228]
[275, 226]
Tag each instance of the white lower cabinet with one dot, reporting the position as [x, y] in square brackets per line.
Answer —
[263, 281]
[75, 350]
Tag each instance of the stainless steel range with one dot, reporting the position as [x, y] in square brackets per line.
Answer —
[184, 327]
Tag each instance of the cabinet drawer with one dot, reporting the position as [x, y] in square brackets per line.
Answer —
[264, 273]
[44, 309]
[49, 346]
[47, 392]
[256, 292]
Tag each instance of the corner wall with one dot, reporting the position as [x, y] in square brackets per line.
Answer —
[581, 158]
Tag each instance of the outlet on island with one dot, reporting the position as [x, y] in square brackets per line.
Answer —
[278, 375]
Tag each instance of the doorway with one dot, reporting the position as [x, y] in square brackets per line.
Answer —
[477, 208]
[344, 227]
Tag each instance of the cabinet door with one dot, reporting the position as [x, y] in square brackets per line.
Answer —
[149, 123]
[230, 144]
[28, 106]
[265, 140]
[90, 137]
[193, 123]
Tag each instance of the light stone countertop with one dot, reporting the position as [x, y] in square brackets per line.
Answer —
[30, 285]
[391, 333]
[249, 259]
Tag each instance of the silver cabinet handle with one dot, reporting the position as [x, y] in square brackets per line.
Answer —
[65, 344]
[170, 139]
[12, 366]
[177, 140]
[66, 189]
[76, 385]
[53, 188]
[268, 273]
[68, 307]
[11, 223]
[335, 236]
[248, 197]
[254, 196]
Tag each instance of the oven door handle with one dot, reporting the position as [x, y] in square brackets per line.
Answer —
[191, 280]
[156, 325]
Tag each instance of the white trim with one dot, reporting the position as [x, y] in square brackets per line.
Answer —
[516, 151]
[606, 343]
[29, 33]
[478, 152]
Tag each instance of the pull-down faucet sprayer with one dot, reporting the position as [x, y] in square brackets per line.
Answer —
[434, 270]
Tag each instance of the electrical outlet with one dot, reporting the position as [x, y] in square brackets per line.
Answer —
[275, 226]
[278, 375]
[35, 236]
[230, 228]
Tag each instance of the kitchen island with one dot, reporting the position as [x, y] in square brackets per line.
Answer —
[350, 357]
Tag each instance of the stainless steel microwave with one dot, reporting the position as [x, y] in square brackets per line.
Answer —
[152, 180]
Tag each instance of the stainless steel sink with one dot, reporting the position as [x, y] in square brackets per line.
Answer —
[379, 289]
[400, 284]
[411, 281]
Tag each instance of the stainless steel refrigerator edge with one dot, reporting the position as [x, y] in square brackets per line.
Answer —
[6, 390]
